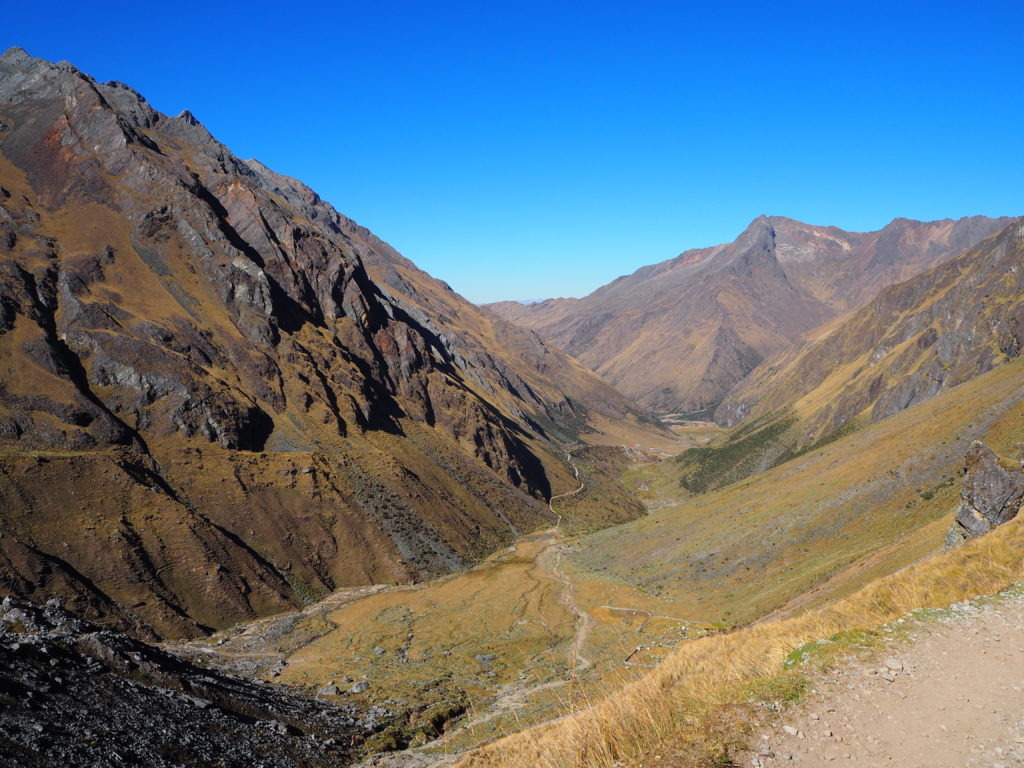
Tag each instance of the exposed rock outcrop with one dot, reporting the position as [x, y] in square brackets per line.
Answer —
[992, 494]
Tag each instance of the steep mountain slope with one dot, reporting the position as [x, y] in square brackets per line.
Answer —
[680, 334]
[935, 331]
[528, 369]
[209, 410]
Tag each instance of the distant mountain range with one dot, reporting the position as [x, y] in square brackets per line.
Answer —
[681, 334]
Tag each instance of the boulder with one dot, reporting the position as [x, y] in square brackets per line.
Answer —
[992, 494]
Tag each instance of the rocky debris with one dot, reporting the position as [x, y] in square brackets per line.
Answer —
[359, 687]
[992, 494]
[73, 694]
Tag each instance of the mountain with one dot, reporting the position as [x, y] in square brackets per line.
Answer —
[928, 334]
[219, 398]
[678, 335]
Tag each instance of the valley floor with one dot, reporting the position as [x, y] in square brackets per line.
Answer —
[949, 695]
[516, 640]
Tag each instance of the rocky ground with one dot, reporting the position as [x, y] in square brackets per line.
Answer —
[72, 694]
[951, 695]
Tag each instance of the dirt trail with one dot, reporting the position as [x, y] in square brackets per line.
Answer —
[552, 557]
[950, 697]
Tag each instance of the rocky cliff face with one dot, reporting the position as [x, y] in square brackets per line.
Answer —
[931, 333]
[992, 494]
[681, 334]
[209, 408]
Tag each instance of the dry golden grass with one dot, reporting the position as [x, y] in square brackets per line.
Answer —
[695, 698]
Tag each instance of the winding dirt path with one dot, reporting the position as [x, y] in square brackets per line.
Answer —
[551, 501]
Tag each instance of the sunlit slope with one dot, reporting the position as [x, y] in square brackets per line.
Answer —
[869, 501]
[918, 338]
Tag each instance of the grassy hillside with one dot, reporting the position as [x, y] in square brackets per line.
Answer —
[871, 501]
[701, 700]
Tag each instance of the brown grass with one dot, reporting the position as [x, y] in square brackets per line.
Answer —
[696, 698]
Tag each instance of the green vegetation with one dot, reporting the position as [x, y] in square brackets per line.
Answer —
[836, 434]
[787, 687]
[752, 447]
[712, 466]
[821, 650]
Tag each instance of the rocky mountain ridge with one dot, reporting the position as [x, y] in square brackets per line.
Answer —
[932, 332]
[210, 409]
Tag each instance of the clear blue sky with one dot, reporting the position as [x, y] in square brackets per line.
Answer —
[524, 149]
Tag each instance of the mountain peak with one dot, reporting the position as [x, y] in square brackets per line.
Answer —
[759, 235]
[15, 53]
[778, 280]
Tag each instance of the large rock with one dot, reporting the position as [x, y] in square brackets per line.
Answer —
[992, 494]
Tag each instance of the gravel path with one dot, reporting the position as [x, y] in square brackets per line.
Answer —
[952, 696]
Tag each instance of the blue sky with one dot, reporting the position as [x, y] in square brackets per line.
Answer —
[532, 149]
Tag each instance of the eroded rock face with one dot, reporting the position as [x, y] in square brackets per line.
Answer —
[913, 340]
[992, 494]
[209, 408]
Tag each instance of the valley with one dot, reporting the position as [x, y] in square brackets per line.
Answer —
[255, 461]
[521, 638]
[549, 625]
